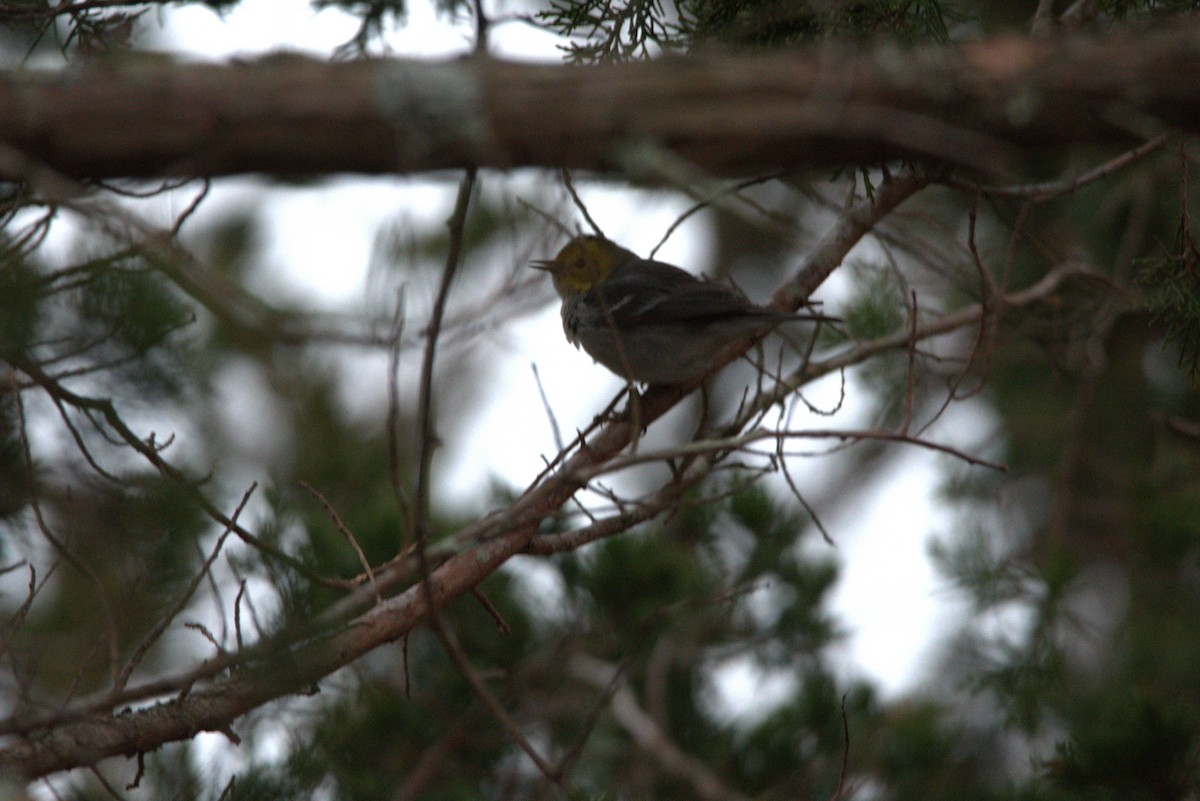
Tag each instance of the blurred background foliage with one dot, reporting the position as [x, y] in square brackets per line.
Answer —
[1076, 674]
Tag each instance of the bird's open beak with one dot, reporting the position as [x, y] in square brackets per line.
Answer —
[542, 264]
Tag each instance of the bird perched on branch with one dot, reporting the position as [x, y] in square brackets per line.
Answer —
[645, 320]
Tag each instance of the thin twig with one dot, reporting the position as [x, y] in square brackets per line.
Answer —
[1052, 189]
[799, 496]
[725, 445]
[1014, 241]
[237, 615]
[205, 186]
[155, 633]
[589, 722]
[501, 624]
[579, 204]
[59, 545]
[548, 217]
[393, 418]
[421, 500]
[840, 792]
[98, 776]
[646, 732]
[910, 377]
[708, 201]
[17, 619]
[152, 454]
[347, 533]
[604, 416]
[537, 378]
[988, 291]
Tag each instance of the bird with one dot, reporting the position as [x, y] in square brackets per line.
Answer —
[648, 321]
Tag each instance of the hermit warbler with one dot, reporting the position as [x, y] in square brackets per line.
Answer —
[645, 320]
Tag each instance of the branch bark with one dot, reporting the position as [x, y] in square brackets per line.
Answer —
[981, 104]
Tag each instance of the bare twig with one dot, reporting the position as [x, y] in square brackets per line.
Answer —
[944, 324]
[854, 223]
[152, 454]
[206, 634]
[646, 732]
[205, 186]
[237, 616]
[910, 377]
[558, 442]
[153, 635]
[427, 766]
[348, 534]
[98, 776]
[17, 619]
[1014, 242]
[708, 201]
[840, 792]
[548, 217]
[427, 439]
[1048, 190]
[740, 442]
[421, 500]
[501, 624]
[579, 204]
[799, 496]
[393, 419]
[606, 414]
[59, 545]
[589, 723]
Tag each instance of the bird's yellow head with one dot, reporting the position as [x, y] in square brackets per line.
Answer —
[583, 263]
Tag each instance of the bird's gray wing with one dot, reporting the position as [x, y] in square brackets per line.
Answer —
[661, 293]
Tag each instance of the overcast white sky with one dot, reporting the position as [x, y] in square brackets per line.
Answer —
[320, 240]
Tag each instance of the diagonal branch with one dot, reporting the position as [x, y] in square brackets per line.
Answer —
[646, 732]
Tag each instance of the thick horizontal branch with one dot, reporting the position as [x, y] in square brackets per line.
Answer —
[981, 104]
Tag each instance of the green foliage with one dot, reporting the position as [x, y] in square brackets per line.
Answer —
[1120, 9]
[1130, 748]
[13, 489]
[634, 579]
[139, 308]
[612, 30]
[373, 13]
[135, 541]
[878, 306]
[20, 296]
[622, 30]
[1172, 284]
[779, 23]
[969, 559]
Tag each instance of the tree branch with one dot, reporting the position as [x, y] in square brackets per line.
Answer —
[980, 104]
[646, 732]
